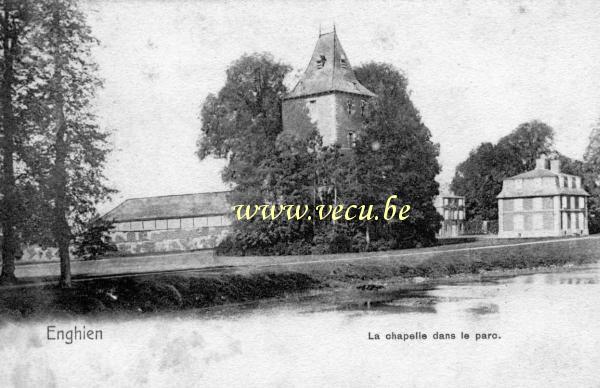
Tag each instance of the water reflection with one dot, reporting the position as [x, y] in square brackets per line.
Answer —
[477, 298]
[533, 330]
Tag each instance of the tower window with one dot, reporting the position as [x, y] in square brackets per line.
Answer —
[321, 62]
[351, 139]
[349, 105]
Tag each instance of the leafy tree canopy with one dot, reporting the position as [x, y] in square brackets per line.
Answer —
[591, 178]
[479, 178]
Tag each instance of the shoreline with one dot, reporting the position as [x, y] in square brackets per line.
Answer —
[196, 292]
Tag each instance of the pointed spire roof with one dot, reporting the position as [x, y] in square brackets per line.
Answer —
[328, 71]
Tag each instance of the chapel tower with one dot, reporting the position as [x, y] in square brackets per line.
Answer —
[328, 96]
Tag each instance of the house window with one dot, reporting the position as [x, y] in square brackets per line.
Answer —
[565, 182]
[508, 223]
[538, 221]
[573, 183]
[548, 221]
[518, 221]
[518, 204]
[527, 222]
[349, 106]
[582, 202]
[321, 62]
[351, 139]
[508, 205]
[548, 203]
[527, 203]
[363, 107]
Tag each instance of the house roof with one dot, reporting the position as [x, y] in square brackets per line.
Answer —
[328, 70]
[537, 173]
[542, 192]
[170, 206]
[539, 191]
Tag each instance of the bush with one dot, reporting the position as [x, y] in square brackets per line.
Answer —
[95, 240]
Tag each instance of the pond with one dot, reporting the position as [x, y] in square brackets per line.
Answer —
[533, 330]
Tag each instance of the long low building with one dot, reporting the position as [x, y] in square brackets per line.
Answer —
[171, 223]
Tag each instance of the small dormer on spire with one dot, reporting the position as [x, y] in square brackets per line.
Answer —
[329, 70]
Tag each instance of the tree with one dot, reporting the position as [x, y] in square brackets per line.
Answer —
[290, 174]
[241, 123]
[526, 143]
[274, 167]
[95, 240]
[479, 178]
[14, 22]
[591, 178]
[395, 155]
[70, 147]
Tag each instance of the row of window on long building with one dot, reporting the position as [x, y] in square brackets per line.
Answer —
[543, 203]
[542, 221]
[173, 223]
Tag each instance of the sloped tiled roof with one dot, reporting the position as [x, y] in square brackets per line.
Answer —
[537, 173]
[542, 192]
[328, 70]
[513, 192]
[170, 206]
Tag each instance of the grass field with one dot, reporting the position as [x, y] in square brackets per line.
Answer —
[163, 293]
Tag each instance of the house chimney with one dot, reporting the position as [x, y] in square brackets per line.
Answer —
[540, 163]
[555, 166]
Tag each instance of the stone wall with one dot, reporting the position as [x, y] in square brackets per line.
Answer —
[349, 119]
[35, 253]
[172, 240]
[303, 115]
[334, 115]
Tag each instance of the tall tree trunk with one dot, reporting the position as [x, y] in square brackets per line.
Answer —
[62, 232]
[9, 190]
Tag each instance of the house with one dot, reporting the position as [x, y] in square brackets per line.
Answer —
[542, 202]
[327, 97]
[171, 223]
[452, 208]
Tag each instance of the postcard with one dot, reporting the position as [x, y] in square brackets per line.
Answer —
[299, 194]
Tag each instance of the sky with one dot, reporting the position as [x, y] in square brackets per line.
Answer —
[476, 70]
